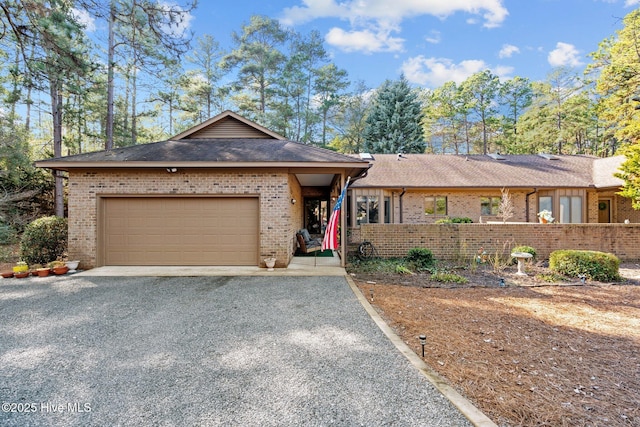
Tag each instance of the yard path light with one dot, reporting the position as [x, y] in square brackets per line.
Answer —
[423, 342]
[371, 292]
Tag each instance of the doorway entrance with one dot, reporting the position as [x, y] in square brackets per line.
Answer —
[604, 210]
[315, 215]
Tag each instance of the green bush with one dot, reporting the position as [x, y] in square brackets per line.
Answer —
[593, 265]
[455, 220]
[44, 240]
[448, 277]
[7, 234]
[422, 258]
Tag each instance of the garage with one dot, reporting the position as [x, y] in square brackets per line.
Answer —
[179, 230]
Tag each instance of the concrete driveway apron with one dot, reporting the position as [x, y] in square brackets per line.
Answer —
[250, 351]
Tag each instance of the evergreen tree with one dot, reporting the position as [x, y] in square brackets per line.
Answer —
[395, 122]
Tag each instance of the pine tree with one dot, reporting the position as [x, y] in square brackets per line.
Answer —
[394, 124]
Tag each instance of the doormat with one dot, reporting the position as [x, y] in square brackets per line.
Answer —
[325, 253]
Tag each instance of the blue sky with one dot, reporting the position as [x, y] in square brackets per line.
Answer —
[434, 41]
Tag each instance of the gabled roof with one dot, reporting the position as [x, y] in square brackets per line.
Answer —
[228, 125]
[480, 171]
[226, 140]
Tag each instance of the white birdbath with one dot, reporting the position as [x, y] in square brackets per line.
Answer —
[521, 257]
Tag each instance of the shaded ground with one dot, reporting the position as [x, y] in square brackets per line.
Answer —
[530, 353]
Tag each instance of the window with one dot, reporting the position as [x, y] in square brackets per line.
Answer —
[570, 209]
[367, 209]
[489, 205]
[435, 205]
[387, 210]
[545, 203]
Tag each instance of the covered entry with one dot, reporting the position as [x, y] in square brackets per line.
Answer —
[178, 231]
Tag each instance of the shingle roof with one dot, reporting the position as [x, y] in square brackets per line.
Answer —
[480, 171]
[230, 150]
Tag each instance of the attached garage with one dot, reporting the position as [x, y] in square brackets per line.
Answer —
[178, 230]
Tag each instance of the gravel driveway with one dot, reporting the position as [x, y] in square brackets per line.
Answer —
[250, 351]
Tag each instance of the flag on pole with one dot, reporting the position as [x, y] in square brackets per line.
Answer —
[330, 240]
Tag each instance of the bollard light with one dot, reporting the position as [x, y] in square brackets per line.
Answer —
[371, 293]
[501, 282]
[423, 342]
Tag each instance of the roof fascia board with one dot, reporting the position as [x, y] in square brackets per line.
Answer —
[297, 166]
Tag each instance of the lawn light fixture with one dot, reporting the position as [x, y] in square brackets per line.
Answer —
[423, 342]
[502, 282]
[583, 278]
[371, 293]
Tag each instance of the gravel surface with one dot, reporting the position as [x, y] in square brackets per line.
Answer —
[250, 351]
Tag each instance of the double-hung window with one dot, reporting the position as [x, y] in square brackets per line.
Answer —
[435, 205]
[570, 209]
[489, 205]
[367, 209]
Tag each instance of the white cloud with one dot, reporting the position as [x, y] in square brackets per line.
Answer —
[179, 20]
[366, 41]
[378, 18]
[434, 72]
[508, 50]
[629, 3]
[564, 54]
[84, 19]
[434, 37]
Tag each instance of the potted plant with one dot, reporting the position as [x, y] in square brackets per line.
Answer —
[73, 265]
[21, 267]
[270, 263]
[59, 267]
[41, 271]
[544, 216]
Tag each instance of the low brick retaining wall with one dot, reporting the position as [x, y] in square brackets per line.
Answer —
[463, 241]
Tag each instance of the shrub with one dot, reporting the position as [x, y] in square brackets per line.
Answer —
[455, 220]
[7, 234]
[401, 269]
[422, 258]
[448, 278]
[44, 239]
[593, 265]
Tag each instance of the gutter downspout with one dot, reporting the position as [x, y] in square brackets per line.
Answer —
[535, 190]
[404, 190]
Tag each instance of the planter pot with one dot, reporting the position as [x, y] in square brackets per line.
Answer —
[60, 270]
[7, 274]
[73, 265]
[42, 272]
[21, 275]
[270, 263]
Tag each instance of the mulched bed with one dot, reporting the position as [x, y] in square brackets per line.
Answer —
[530, 353]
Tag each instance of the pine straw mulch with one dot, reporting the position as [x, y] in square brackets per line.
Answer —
[530, 353]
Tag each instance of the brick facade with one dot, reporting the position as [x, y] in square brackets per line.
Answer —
[462, 241]
[279, 218]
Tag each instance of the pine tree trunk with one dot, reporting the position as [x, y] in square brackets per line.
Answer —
[110, 64]
[56, 114]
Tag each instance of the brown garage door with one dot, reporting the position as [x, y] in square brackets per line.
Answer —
[179, 231]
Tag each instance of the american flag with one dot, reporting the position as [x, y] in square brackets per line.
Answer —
[330, 240]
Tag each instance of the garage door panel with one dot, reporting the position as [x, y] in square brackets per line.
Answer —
[180, 231]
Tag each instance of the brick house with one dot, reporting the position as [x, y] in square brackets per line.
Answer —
[422, 188]
[225, 192]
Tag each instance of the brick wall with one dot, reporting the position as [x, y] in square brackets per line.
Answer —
[274, 189]
[462, 241]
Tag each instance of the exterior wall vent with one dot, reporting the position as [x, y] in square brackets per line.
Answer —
[548, 156]
[496, 156]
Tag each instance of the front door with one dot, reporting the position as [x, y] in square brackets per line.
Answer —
[315, 215]
[604, 210]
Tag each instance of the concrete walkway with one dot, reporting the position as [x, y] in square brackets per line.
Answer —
[299, 266]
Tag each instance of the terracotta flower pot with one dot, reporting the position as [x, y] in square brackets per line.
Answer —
[60, 270]
[43, 272]
[21, 275]
[7, 274]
